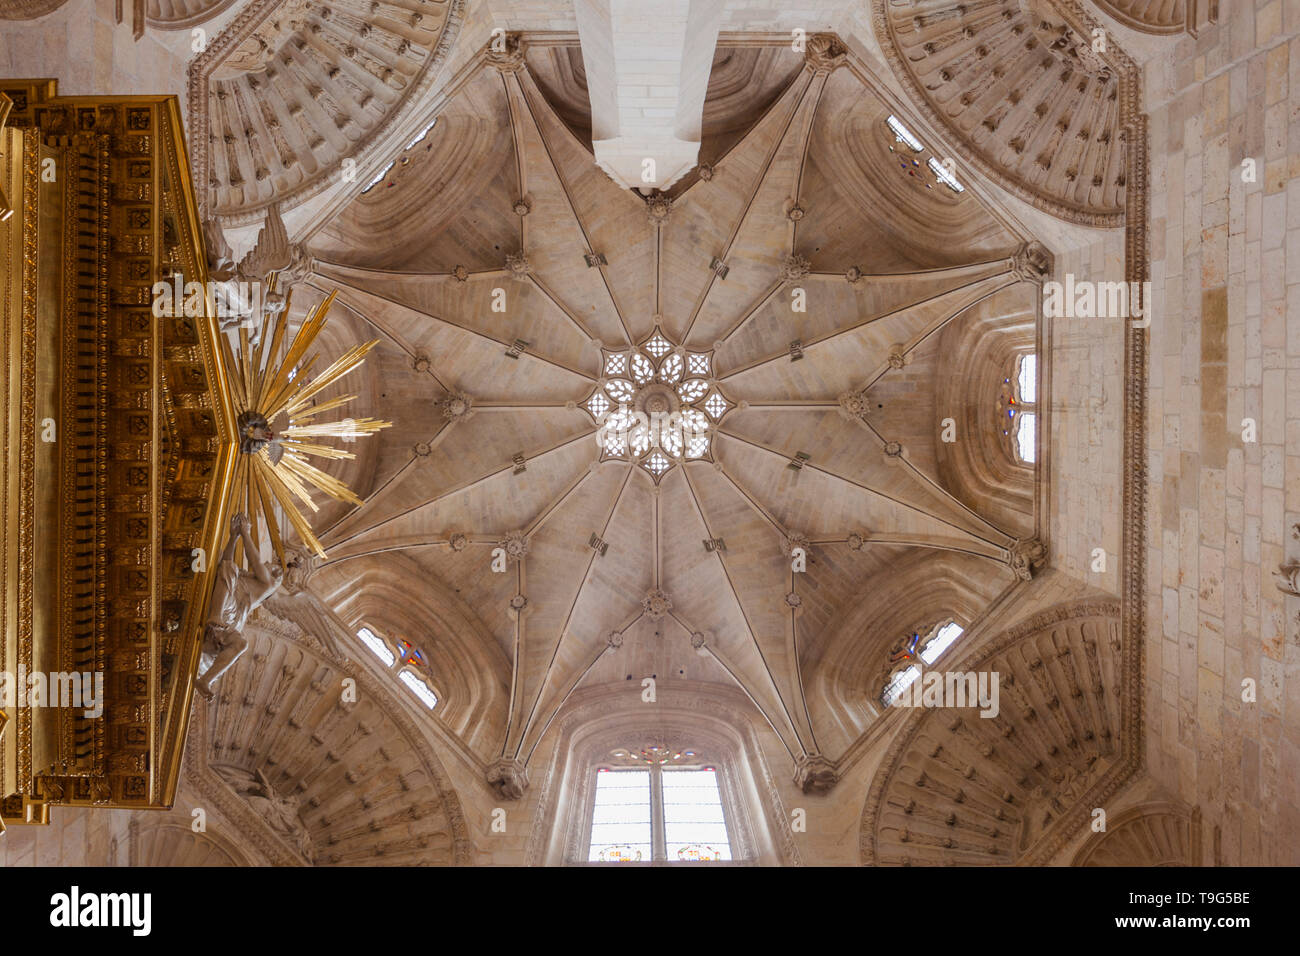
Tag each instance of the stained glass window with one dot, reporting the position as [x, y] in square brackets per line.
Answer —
[1027, 379]
[660, 812]
[904, 135]
[1018, 408]
[942, 640]
[378, 179]
[1027, 436]
[406, 658]
[694, 827]
[620, 824]
[423, 133]
[942, 174]
[377, 646]
[899, 683]
[409, 653]
[912, 655]
[419, 688]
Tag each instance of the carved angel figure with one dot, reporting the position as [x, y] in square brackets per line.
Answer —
[238, 286]
[278, 810]
[235, 595]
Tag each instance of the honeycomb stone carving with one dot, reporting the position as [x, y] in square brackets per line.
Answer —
[288, 91]
[1024, 95]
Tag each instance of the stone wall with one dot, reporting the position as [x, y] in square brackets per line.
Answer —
[81, 46]
[1225, 347]
[76, 836]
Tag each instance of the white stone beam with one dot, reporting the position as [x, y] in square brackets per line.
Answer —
[648, 67]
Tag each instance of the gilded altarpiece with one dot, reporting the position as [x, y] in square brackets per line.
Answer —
[118, 444]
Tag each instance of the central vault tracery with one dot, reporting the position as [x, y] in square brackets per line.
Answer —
[704, 428]
[656, 405]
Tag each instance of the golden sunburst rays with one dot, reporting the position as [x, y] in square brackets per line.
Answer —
[274, 470]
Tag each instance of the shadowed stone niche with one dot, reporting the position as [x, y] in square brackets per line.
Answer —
[1153, 834]
[309, 774]
[1021, 89]
[290, 89]
[960, 789]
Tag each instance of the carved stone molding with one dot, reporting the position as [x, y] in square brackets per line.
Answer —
[794, 269]
[299, 567]
[517, 266]
[825, 52]
[1027, 557]
[658, 207]
[1033, 262]
[1163, 17]
[515, 545]
[656, 604]
[28, 9]
[183, 14]
[457, 407]
[506, 53]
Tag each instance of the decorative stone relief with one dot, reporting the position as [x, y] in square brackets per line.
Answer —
[508, 778]
[298, 569]
[1043, 119]
[1027, 556]
[957, 788]
[515, 544]
[280, 811]
[289, 90]
[825, 52]
[656, 604]
[1033, 262]
[506, 53]
[657, 208]
[517, 266]
[794, 269]
[815, 774]
[457, 407]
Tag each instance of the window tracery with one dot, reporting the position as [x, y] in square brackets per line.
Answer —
[1018, 409]
[911, 165]
[657, 404]
[400, 162]
[406, 660]
[910, 655]
[657, 803]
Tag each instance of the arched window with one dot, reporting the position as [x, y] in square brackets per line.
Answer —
[911, 656]
[1018, 408]
[406, 660]
[911, 165]
[402, 161]
[657, 804]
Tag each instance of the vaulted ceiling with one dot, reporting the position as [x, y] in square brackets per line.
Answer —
[510, 281]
